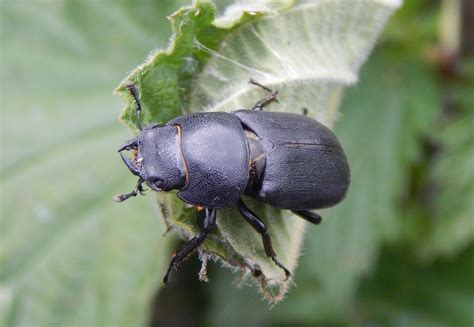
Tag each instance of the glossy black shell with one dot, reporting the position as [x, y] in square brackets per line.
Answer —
[305, 166]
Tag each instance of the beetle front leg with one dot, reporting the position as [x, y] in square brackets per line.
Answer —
[187, 249]
[266, 100]
[261, 228]
[138, 189]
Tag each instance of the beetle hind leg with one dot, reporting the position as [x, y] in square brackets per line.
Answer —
[261, 228]
[266, 100]
[188, 248]
[309, 216]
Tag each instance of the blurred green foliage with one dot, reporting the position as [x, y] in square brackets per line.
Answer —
[67, 256]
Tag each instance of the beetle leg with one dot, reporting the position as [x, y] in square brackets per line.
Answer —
[309, 216]
[138, 189]
[260, 227]
[266, 100]
[187, 249]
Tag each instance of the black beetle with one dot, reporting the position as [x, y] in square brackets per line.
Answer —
[287, 160]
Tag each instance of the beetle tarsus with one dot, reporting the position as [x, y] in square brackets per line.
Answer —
[309, 216]
[187, 249]
[267, 244]
[266, 100]
[123, 197]
[261, 228]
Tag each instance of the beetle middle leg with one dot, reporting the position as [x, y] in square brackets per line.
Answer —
[261, 228]
[187, 249]
[266, 100]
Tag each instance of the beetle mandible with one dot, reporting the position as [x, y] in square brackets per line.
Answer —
[286, 160]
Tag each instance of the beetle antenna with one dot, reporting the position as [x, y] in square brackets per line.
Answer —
[133, 91]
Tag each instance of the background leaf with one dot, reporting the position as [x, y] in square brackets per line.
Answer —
[406, 296]
[449, 221]
[69, 255]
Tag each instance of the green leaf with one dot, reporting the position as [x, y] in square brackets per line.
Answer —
[414, 294]
[445, 224]
[308, 51]
[69, 255]
[450, 225]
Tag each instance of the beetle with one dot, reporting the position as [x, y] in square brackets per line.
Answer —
[213, 159]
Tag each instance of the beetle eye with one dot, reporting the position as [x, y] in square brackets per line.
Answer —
[156, 183]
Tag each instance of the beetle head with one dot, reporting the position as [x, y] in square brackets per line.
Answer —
[157, 159]
[162, 165]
